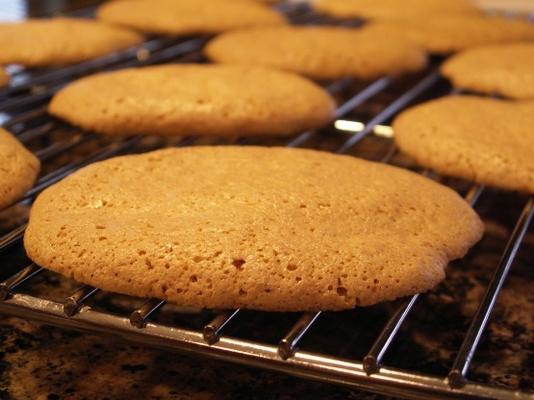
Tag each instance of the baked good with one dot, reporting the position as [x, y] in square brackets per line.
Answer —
[184, 17]
[394, 9]
[264, 228]
[191, 99]
[4, 77]
[59, 41]
[480, 139]
[504, 69]
[448, 34]
[319, 52]
[18, 169]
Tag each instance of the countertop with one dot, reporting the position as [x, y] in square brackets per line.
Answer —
[42, 362]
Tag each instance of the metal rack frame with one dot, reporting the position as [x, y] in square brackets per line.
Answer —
[28, 121]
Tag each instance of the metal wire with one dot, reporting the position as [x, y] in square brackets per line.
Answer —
[18, 279]
[393, 108]
[74, 302]
[321, 367]
[87, 67]
[138, 317]
[212, 331]
[287, 346]
[483, 313]
[174, 52]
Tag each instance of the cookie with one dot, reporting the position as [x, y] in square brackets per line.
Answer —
[60, 41]
[479, 139]
[319, 52]
[273, 229]
[506, 69]
[394, 9]
[448, 34]
[4, 77]
[18, 169]
[184, 17]
[194, 100]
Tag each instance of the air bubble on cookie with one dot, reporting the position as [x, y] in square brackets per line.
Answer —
[148, 263]
[291, 267]
[238, 263]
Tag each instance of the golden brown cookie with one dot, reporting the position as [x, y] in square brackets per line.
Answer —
[18, 169]
[58, 41]
[4, 77]
[319, 52]
[506, 69]
[480, 139]
[448, 34]
[183, 17]
[194, 100]
[394, 9]
[274, 229]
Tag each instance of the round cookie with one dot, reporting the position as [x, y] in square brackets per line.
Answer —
[183, 17]
[480, 139]
[506, 69]
[394, 9]
[18, 169]
[448, 34]
[274, 229]
[4, 77]
[191, 99]
[319, 52]
[60, 41]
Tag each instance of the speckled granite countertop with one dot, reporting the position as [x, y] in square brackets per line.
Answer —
[40, 362]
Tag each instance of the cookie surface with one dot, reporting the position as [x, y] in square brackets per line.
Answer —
[253, 227]
[194, 100]
[507, 70]
[394, 9]
[58, 41]
[480, 139]
[18, 169]
[182, 17]
[448, 34]
[4, 78]
[318, 52]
